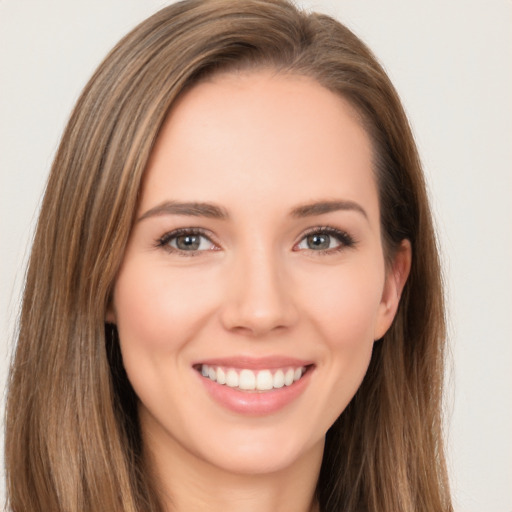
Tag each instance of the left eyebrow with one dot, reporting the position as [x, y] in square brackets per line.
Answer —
[322, 207]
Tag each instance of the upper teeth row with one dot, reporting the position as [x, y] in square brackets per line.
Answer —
[261, 380]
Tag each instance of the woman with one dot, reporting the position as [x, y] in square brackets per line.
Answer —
[233, 299]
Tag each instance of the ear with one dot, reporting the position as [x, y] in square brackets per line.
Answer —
[396, 278]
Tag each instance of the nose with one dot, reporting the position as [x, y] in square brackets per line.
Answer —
[258, 296]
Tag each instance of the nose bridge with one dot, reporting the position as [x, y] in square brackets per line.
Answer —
[258, 296]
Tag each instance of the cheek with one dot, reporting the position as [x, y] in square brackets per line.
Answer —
[157, 309]
[157, 312]
[345, 305]
[341, 306]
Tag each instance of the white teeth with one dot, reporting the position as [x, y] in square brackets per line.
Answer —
[221, 376]
[248, 380]
[232, 379]
[279, 379]
[264, 380]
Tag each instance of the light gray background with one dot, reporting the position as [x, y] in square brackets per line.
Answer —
[452, 65]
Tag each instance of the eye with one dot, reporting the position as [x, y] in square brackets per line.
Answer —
[186, 240]
[325, 240]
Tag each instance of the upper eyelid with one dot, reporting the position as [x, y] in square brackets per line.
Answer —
[188, 230]
[330, 230]
[320, 229]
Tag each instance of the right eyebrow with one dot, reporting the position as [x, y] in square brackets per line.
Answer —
[193, 209]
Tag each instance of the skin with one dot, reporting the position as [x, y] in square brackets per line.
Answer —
[257, 145]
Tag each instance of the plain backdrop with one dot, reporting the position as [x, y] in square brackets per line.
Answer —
[452, 65]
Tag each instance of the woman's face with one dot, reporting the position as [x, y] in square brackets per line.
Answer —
[253, 285]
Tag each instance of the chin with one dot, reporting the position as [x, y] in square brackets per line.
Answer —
[258, 453]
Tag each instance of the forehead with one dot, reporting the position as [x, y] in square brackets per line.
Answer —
[259, 132]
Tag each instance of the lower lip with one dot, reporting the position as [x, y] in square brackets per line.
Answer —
[255, 403]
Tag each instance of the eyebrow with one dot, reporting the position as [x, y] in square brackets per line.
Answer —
[322, 207]
[193, 209]
[212, 211]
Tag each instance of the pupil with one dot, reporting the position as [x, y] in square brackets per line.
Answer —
[188, 242]
[318, 241]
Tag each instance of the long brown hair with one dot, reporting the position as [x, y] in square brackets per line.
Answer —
[72, 437]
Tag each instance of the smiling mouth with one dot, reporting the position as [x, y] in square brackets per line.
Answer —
[244, 379]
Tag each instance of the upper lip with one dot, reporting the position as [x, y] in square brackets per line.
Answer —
[256, 363]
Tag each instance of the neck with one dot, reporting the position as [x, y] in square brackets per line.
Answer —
[186, 482]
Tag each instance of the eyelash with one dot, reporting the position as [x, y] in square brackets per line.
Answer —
[165, 240]
[345, 240]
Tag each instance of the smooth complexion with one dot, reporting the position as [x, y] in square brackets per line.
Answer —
[257, 244]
